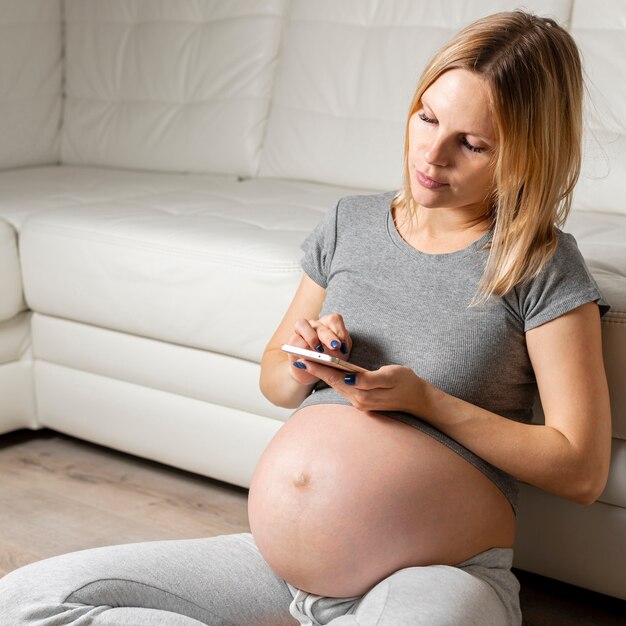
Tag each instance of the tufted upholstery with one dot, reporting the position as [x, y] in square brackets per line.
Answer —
[599, 28]
[131, 101]
[347, 74]
[30, 82]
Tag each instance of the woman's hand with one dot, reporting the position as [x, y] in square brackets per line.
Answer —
[389, 388]
[328, 332]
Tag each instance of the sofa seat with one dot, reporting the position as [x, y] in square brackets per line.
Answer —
[27, 191]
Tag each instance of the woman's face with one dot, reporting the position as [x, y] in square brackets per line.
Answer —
[451, 142]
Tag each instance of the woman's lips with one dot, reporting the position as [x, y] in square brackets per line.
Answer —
[427, 182]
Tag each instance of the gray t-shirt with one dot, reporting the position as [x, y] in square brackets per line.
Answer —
[410, 308]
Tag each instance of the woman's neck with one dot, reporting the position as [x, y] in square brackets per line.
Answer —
[436, 232]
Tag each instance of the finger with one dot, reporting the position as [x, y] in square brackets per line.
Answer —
[329, 375]
[337, 380]
[342, 380]
[332, 342]
[309, 334]
[334, 334]
[297, 341]
[301, 373]
[334, 321]
[298, 365]
[374, 379]
[298, 369]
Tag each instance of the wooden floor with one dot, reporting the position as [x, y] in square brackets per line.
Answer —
[59, 494]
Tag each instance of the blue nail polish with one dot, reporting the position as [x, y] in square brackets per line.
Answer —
[334, 344]
[320, 348]
[349, 379]
[299, 364]
[344, 347]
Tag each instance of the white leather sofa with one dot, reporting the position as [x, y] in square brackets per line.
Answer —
[161, 162]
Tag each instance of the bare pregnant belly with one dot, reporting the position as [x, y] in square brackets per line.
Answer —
[342, 498]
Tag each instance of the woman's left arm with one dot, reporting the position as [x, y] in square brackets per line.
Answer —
[569, 455]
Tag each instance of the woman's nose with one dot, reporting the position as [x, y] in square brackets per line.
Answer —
[436, 152]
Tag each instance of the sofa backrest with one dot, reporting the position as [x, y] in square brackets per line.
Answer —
[169, 85]
[30, 82]
[599, 28]
[346, 77]
[313, 90]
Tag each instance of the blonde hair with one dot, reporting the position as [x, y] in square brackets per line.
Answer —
[533, 70]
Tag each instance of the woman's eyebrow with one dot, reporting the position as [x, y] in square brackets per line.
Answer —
[467, 132]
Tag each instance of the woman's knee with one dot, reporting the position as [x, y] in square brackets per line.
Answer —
[436, 595]
[28, 596]
[210, 580]
[71, 586]
[21, 595]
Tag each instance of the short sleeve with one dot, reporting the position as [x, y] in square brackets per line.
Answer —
[563, 284]
[319, 248]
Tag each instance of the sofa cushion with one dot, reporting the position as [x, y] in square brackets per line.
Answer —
[26, 192]
[30, 82]
[195, 255]
[601, 238]
[169, 85]
[599, 28]
[203, 375]
[581, 545]
[347, 75]
[11, 299]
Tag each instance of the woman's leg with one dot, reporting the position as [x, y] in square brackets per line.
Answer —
[481, 591]
[217, 581]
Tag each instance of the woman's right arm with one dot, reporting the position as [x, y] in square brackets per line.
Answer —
[280, 382]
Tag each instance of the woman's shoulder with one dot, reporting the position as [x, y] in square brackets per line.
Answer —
[563, 283]
[374, 201]
[567, 251]
[362, 213]
[566, 259]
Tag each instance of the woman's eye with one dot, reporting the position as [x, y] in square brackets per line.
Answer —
[425, 118]
[469, 146]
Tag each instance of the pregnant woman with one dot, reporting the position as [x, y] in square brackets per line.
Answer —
[389, 497]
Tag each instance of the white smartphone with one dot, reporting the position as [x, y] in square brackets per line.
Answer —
[324, 359]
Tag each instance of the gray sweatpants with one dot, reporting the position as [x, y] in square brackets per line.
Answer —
[224, 580]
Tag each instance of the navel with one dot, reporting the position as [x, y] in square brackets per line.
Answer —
[301, 480]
